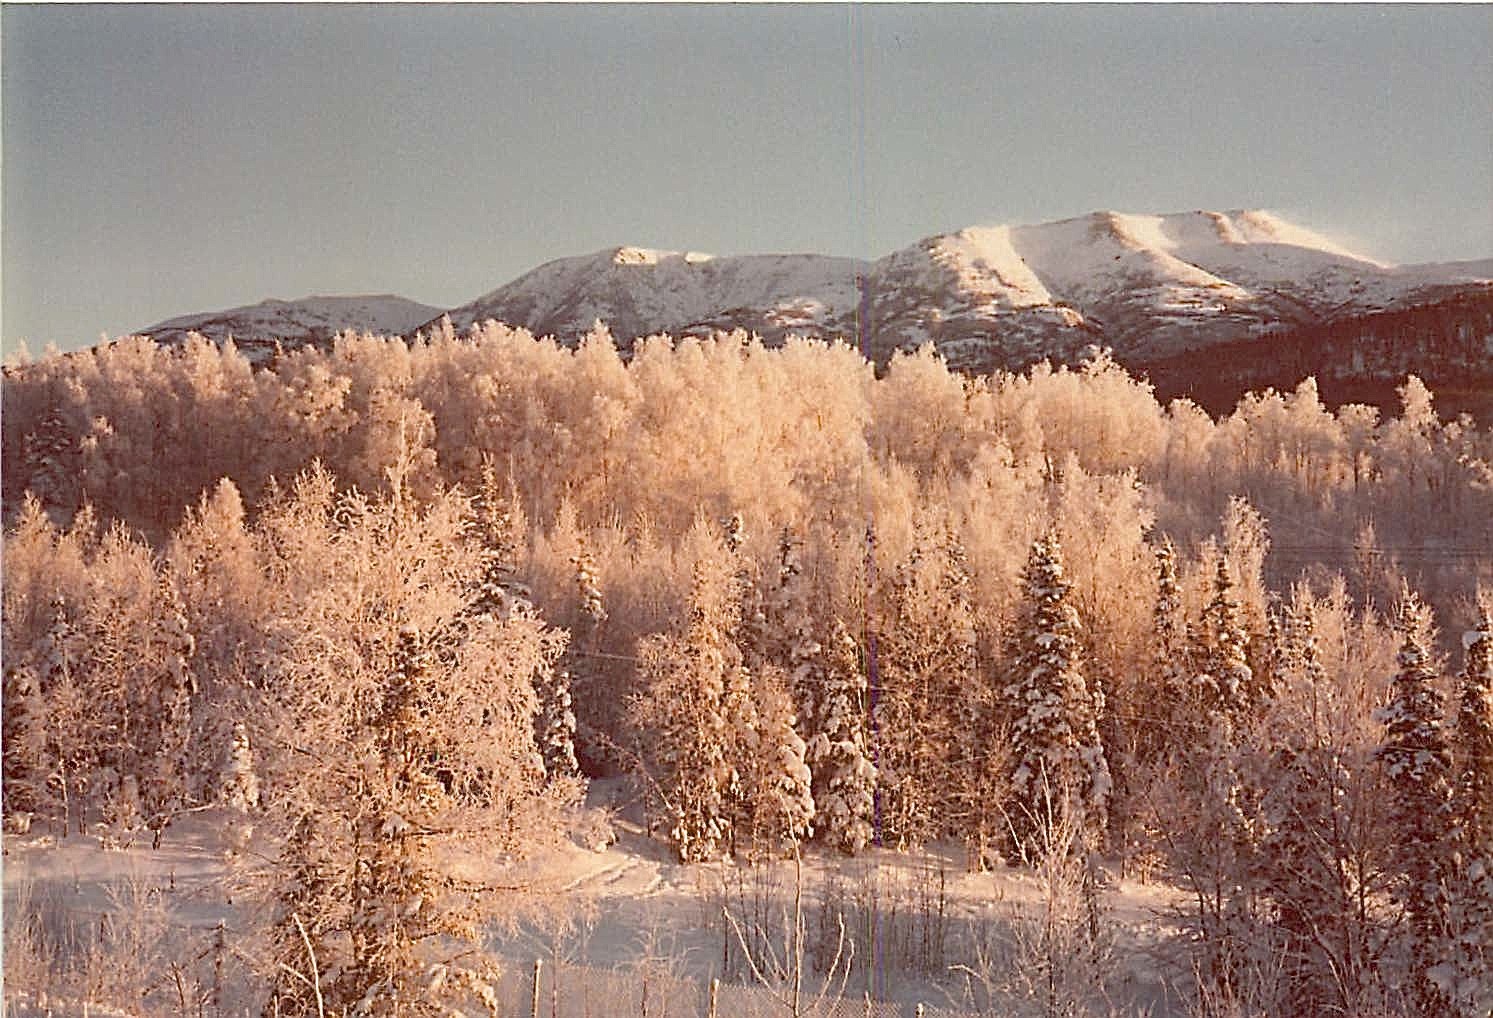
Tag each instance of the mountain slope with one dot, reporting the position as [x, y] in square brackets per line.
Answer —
[638, 291]
[1147, 286]
[255, 328]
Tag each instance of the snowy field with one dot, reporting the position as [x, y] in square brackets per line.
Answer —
[627, 929]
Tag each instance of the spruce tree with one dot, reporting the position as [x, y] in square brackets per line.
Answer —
[51, 464]
[1417, 762]
[407, 721]
[1170, 644]
[555, 724]
[170, 707]
[1060, 764]
[682, 714]
[747, 768]
[844, 789]
[584, 666]
[975, 760]
[910, 741]
[1225, 679]
[53, 725]
[1301, 863]
[1472, 821]
[397, 886]
[24, 732]
[500, 525]
[781, 797]
[791, 618]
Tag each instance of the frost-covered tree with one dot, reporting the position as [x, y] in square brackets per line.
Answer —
[1224, 679]
[1472, 820]
[24, 740]
[588, 614]
[923, 665]
[555, 724]
[1302, 863]
[681, 716]
[51, 466]
[838, 755]
[170, 707]
[779, 796]
[501, 525]
[1059, 760]
[1172, 676]
[792, 620]
[30, 743]
[588, 591]
[407, 721]
[1417, 762]
[744, 749]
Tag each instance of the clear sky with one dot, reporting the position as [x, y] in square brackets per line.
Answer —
[164, 160]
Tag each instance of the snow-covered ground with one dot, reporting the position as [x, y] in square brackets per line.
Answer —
[627, 906]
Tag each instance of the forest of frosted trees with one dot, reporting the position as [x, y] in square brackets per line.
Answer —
[389, 602]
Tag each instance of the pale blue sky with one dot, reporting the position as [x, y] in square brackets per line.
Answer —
[162, 160]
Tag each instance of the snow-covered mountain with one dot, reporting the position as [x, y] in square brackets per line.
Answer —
[637, 291]
[1147, 286]
[255, 328]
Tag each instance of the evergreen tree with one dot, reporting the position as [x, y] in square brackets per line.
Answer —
[844, 790]
[1169, 633]
[919, 669]
[682, 714]
[396, 889]
[170, 707]
[1472, 821]
[1059, 760]
[1225, 679]
[780, 799]
[310, 906]
[24, 734]
[500, 526]
[588, 592]
[51, 465]
[409, 725]
[976, 760]
[584, 666]
[744, 750]
[1301, 862]
[791, 618]
[54, 726]
[555, 724]
[1417, 762]
[24, 740]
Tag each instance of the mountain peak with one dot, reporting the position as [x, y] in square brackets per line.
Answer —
[629, 255]
[1144, 284]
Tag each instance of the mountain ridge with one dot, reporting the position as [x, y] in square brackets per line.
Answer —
[1146, 285]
